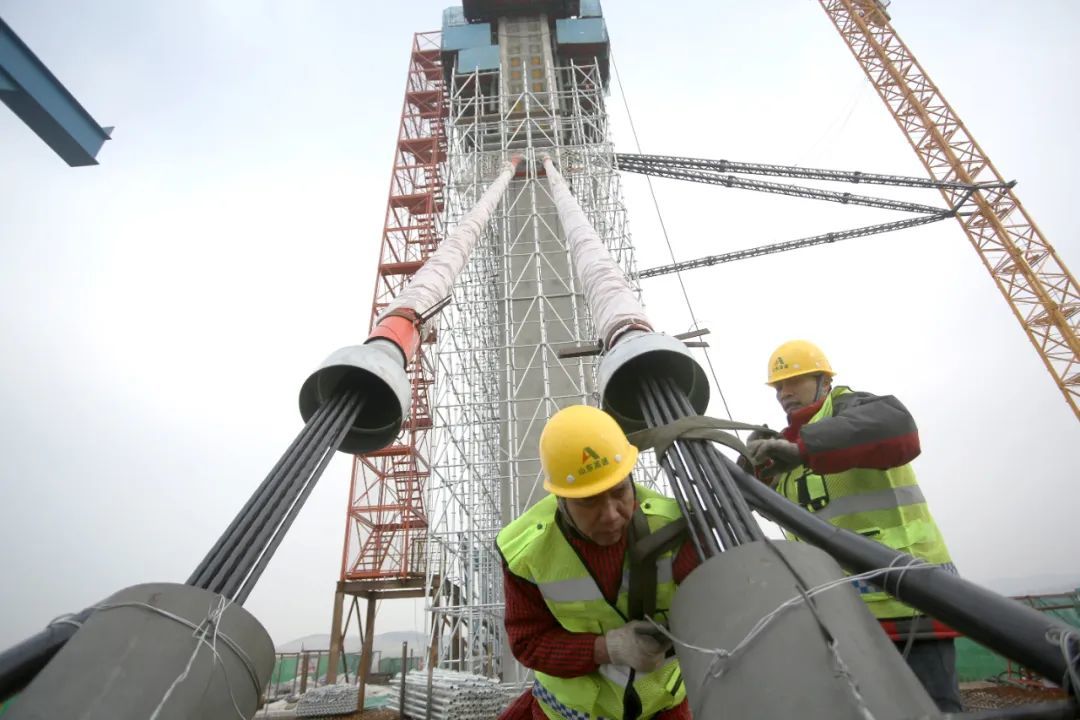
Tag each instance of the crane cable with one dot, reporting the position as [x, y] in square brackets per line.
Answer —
[667, 240]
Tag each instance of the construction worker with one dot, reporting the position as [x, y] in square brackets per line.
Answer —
[845, 456]
[582, 569]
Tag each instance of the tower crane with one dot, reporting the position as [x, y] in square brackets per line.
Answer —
[1039, 289]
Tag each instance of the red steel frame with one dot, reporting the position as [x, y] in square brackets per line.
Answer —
[1038, 287]
[387, 522]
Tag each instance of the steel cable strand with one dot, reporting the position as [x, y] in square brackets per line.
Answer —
[243, 555]
[718, 510]
[221, 549]
[701, 534]
[734, 508]
[708, 517]
[349, 413]
[720, 472]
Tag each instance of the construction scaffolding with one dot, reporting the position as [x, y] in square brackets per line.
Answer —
[515, 344]
[383, 555]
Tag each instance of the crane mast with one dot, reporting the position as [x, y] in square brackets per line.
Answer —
[1038, 287]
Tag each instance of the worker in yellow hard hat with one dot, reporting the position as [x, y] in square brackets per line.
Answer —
[846, 457]
[571, 615]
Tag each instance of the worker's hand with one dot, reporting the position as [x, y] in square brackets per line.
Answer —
[635, 644]
[764, 433]
[777, 454]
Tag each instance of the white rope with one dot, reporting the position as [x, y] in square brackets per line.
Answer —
[210, 625]
[65, 619]
[843, 671]
[224, 603]
[855, 99]
[182, 676]
[179, 679]
[1065, 639]
[825, 587]
[722, 656]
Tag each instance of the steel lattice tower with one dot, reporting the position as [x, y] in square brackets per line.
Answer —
[501, 352]
[424, 512]
[387, 519]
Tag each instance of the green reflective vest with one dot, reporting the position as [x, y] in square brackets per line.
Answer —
[535, 549]
[885, 505]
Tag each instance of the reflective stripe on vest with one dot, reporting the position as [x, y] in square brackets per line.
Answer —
[868, 502]
[585, 588]
[884, 505]
[566, 712]
[572, 590]
[620, 674]
[535, 550]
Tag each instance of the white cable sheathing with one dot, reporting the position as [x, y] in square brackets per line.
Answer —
[433, 281]
[607, 291]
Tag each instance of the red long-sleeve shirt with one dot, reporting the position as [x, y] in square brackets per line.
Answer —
[864, 431]
[539, 642]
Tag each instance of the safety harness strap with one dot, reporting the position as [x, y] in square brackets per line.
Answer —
[694, 427]
[644, 549]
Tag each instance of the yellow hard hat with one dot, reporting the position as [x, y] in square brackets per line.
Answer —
[795, 358]
[584, 452]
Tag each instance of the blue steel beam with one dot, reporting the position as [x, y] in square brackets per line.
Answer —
[42, 102]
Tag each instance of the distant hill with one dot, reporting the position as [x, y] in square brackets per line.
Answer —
[386, 643]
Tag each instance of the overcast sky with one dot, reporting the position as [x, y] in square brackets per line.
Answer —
[159, 312]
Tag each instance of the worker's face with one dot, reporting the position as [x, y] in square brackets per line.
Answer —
[798, 392]
[604, 518]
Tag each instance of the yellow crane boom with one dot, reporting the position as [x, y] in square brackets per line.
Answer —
[1038, 287]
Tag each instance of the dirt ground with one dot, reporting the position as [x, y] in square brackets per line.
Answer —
[977, 696]
[380, 714]
[989, 696]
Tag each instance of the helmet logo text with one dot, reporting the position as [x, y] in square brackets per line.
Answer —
[591, 461]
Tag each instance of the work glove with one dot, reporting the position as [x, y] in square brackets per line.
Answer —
[777, 454]
[764, 433]
[637, 644]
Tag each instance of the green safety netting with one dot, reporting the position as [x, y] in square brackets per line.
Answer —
[975, 662]
[392, 665]
[286, 668]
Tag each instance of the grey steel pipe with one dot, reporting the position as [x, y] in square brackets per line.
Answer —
[452, 696]
[235, 560]
[266, 542]
[20, 663]
[243, 519]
